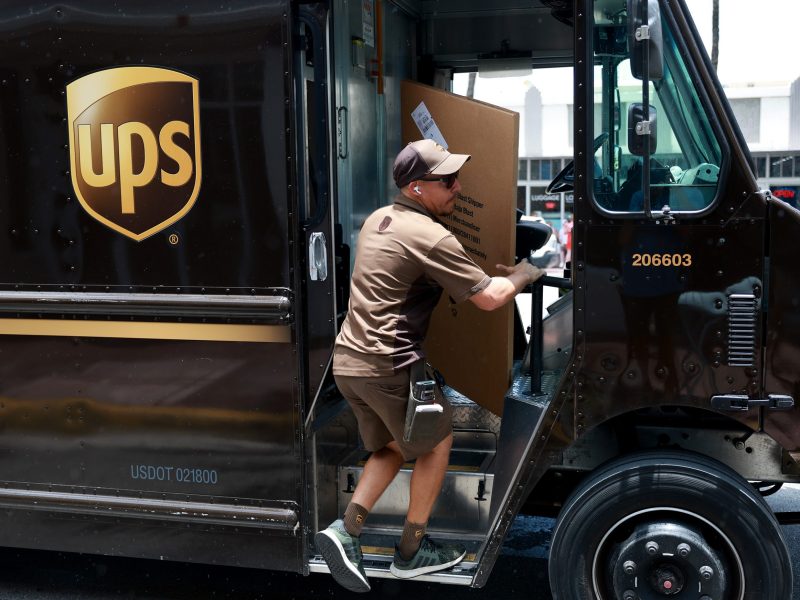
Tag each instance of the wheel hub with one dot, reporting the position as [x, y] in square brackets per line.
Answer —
[662, 560]
[667, 579]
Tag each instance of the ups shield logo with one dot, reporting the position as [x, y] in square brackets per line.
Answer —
[134, 138]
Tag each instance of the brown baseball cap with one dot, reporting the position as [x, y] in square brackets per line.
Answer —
[425, 157]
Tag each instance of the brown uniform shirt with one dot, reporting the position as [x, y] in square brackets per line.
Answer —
[405, 257]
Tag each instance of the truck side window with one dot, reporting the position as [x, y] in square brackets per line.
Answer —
[686, 157]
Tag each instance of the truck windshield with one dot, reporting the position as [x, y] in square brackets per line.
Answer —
[686, 155]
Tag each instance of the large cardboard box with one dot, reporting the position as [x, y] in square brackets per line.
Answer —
[471, 347]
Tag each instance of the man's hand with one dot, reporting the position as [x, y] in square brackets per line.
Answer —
[523, 267]
[505, 287]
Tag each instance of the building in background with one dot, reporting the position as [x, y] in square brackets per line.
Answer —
[768, 114]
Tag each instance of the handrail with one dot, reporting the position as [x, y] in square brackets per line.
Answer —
[283, 516]
[559, 282]
[272, 307]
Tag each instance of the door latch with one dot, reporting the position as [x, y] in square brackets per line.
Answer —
[741, 403]
[317, 257]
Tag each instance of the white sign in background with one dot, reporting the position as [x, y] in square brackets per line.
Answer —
[367, 22]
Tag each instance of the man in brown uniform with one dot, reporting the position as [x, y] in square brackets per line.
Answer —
[405, 257]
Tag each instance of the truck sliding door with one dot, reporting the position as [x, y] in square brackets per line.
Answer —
[317, 253]
[148, 379]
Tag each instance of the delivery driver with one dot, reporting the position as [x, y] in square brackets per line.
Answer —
[404, 259]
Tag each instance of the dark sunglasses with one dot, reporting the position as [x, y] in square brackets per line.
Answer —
[448, 180]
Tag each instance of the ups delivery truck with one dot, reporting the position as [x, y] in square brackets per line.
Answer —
[180, 187]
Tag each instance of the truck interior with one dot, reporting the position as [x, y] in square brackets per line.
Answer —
[427, 42]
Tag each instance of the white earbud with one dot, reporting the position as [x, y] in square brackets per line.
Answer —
[416, 189]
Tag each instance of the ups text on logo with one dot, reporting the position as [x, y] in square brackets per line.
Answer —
[134, 137]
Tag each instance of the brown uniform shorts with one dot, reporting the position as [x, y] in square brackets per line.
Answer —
[379, 404]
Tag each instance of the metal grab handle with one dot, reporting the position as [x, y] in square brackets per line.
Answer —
[341, 131]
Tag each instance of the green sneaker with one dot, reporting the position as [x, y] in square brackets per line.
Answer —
[342, 553]
[431, 557]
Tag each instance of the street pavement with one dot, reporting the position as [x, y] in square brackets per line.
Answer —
[520, 573]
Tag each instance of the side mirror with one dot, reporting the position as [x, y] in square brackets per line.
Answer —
[531, 235]
[652, 37]
[641, 129]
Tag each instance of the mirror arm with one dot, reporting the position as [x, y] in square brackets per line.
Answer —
[644, 39]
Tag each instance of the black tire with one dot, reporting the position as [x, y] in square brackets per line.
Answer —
[686, 492]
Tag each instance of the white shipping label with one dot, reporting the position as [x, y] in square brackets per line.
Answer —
[427, 126]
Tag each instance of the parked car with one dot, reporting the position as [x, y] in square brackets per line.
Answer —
[549, 255]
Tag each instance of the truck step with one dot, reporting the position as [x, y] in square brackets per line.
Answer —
[467, 415]
[462, 507]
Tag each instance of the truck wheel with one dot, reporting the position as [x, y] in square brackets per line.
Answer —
[668, 524]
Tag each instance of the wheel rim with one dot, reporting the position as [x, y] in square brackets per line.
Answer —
[659, 552]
